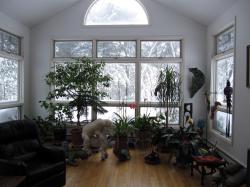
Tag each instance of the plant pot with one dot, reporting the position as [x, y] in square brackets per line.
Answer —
[121, 149]
[144, 138]
[76, 137]
[59, 134]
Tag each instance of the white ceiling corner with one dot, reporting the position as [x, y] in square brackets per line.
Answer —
[33, 12]
[203, 11]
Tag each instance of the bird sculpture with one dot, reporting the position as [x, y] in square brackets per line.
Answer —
[198, 80]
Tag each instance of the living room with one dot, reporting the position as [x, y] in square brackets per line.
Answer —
[204, 43]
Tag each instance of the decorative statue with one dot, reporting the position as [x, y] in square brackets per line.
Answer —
[189, 123]
[100, 128]
[214, 109]
[198, 80]
[228, 91]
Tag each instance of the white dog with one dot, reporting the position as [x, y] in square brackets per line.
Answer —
[100, 128]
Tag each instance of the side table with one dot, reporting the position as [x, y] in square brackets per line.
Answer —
[12, 181]
[200, 163]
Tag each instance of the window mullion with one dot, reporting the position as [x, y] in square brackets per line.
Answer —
[138, 78]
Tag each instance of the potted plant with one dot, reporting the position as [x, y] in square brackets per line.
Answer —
[58, 115]
[144, 126]
[81, 82]
[168, 89]
[122, 128]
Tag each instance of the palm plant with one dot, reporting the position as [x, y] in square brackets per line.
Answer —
[168, 89]
[123, 126]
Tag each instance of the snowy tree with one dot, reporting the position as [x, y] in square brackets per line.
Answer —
[9, 79]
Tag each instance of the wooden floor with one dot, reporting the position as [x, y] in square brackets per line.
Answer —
[133, 173]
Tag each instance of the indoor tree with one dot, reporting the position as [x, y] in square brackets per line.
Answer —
[168, 89]
[81, 83]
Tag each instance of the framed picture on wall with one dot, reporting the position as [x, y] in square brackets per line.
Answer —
[248, 66]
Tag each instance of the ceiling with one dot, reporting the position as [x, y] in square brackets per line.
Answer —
[203, 11]
[33, 12]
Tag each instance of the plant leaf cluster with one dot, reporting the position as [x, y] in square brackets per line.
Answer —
[123, 126]
[168, 89]
[80, 82]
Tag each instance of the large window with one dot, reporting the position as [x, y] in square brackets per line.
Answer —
[134, 71]
[10, 76]
[222, 71]
[116, 12]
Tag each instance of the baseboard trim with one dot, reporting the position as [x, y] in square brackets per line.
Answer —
[227, 155]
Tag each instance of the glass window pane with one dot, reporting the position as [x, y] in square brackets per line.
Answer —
[149, 78]
[83, 118]
[225, 41]
[151, 111]
[160, 49]
[222, 120]
[9, 114]
[225, 71]
[122, 85]
[123, 111]
[8, 80]
[9, 43]
[73, 49]
[116, 49]
[116, 12]
[173, 117]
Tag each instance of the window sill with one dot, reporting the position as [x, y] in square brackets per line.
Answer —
[221, 137]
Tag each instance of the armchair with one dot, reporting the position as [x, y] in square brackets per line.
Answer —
[21, 153]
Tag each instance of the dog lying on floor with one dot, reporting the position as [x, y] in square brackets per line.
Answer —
[100, 128]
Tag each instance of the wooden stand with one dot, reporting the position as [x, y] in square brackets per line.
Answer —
[200, 163]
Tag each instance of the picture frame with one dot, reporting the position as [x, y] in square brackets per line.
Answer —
[248, 67]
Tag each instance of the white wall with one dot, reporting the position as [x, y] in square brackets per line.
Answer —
[164, 23]
[241, 125]
[12, 26]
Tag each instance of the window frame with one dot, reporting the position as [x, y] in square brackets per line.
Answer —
[116, 58]
[217, 57]
[54, 48]
[117, 25]
[168, 58]
[20, 82]
[137, 61]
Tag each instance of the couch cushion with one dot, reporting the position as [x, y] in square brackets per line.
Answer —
[19, 149]
[39, 170]
[13, 131]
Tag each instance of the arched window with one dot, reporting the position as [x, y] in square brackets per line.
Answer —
[116, 12]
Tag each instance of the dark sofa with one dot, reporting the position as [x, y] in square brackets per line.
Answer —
[21, 153]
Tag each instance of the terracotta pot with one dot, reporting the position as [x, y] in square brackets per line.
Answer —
[76, 137]
[144, 138]
[121, 149]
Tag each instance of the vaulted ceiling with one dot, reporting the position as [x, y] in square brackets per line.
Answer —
[33, 12]
[203, 11]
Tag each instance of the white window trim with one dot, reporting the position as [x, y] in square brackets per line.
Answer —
[138, 60]
[116, 26]
[217, 57]
[20, 95]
